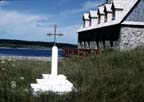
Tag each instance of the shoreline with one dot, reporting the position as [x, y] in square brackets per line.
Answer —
[28, 58]
[24, 48]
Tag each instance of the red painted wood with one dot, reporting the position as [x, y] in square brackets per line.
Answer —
[69, 52]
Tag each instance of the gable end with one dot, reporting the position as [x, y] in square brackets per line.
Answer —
[137, 13]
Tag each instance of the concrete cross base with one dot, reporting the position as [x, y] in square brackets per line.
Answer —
[58, 84]
[53, 82]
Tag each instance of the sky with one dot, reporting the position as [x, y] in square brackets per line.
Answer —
[31, 20]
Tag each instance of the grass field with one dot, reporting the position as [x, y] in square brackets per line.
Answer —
[108, 77]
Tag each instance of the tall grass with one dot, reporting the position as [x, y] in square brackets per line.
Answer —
[107, 77]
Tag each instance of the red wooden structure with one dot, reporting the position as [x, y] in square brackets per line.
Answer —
[70, 52]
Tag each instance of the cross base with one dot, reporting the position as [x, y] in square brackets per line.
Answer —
[53, 82]
[57, 84]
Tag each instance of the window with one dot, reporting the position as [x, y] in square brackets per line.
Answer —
[105, 19]
[90, 22]
[83, 23]
[113, 12]
[105, 14]
[113, 15]
[99, 19]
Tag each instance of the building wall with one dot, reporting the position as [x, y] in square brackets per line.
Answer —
[116, 37]
[137, 13]
[131, 37]
[100, 38]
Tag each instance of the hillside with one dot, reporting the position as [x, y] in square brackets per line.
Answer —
[31, 44]
[107, 77]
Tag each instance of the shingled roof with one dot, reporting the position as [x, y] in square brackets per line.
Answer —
[119, 4]
[101, 10]
[86, 16]
[93, 14]
[108, 7]
[124, 5]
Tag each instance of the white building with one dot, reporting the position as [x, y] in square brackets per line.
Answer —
[115, 24]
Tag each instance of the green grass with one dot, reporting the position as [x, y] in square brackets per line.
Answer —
[107, 77]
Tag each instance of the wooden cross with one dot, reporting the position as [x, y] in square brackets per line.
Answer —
[55, 34]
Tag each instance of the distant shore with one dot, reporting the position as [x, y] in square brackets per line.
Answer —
[32, 44]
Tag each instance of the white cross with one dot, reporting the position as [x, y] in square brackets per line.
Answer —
[54, 63]
[55, 34]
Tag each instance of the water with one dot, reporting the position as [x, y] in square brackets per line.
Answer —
[27, 52]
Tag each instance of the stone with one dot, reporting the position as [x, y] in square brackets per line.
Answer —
[82, 45]
[131, 38]
[79, 45]
[101, 45]
[93, 45]
[87, 45]
[116, 45]
[107, 44]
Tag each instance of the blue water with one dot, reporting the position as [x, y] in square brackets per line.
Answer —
[27, 52]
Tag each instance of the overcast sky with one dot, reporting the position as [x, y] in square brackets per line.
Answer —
[33, 19]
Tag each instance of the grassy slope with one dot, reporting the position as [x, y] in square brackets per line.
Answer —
[108, 77]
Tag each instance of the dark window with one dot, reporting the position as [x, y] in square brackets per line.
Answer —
[113, 15]
[113, 12]
[83, 23]
[105, 14]
[105, 20]
[99, 19]
[90, 22]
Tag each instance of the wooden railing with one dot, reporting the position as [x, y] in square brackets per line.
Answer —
[69, 52]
